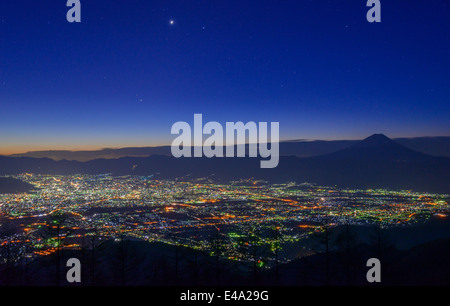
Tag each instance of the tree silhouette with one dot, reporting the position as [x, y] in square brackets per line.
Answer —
[122, 257]
[7, 234]
[382, 244]
[54, 234]
[93, 242]
[125, 256]
[345, 243]
[248, 245]
[176, 248]
[276, 247]
[323, 243]
[217, 245]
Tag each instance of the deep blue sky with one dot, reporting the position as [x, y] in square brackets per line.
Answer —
[124, 75]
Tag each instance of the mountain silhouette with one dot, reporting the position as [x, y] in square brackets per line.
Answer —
[375, 162]
[435, 146]
[377, 147]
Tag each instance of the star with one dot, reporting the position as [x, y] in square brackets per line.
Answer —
[171, 22]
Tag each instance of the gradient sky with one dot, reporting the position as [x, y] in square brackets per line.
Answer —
[124, 75]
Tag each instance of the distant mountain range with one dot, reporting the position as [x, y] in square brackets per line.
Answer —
[436, 146]
[375, 162]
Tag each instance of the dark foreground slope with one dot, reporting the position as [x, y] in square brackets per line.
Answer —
[11, 185]
[139, 263]
[422, 265]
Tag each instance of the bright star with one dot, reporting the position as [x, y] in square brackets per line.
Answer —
[171, 22]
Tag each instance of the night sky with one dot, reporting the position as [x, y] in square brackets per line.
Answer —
[126, 73]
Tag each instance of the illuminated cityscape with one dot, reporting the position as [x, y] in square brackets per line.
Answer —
[195, 214]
